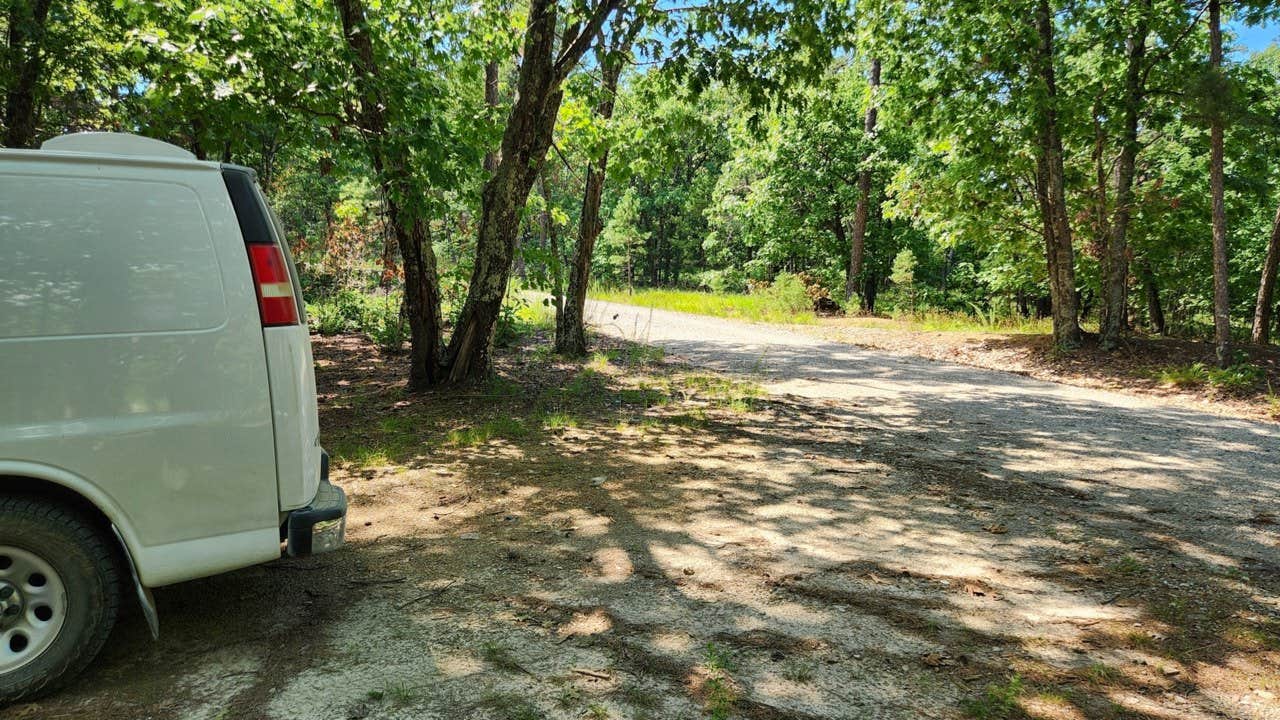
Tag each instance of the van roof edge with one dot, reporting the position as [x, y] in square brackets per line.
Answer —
[122, 144]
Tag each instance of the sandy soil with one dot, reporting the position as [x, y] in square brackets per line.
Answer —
[880, 537]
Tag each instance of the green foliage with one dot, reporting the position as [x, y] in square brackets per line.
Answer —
[904, 268]
[787, 295]
[378, 316]
[1238, 378]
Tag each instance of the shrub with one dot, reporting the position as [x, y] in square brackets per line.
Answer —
[383, 322]
[1241, 377]
[788, 294]
[728, 280]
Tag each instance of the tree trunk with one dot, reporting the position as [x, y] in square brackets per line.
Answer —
[525, 142]
[571, 334]
[28, 22]
[1116, 282]
[553, 245]
[1267, 287]
[405, 212]
[1051, 187]
[1155, 313]
[1221, 297]
[858, 241]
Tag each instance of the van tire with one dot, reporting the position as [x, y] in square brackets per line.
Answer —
[88, 567]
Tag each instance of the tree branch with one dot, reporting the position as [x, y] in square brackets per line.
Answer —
[570, 55]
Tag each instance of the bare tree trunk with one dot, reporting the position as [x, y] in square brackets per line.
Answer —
[405, 212]
[1221, 297]
[553, 243]
[858, 241]
[525, 143]
[1052, 190]
[28, 22]
[571, 333]
[1267, 287]
[1116, 282]
[1155, 313]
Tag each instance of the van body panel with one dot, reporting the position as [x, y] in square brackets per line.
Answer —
[171, 420]
[297, 427]
[293, 386]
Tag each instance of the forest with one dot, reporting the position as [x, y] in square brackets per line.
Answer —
[1112, 166]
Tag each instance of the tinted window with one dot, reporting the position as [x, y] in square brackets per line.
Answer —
[88, 256]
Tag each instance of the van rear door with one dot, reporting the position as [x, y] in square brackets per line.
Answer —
[286, 340]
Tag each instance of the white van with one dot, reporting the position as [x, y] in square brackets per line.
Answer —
[157, 396]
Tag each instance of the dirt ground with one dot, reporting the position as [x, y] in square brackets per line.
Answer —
[760, 525]
[1134, 368]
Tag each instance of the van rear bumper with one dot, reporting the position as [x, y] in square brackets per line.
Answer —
[321, 526]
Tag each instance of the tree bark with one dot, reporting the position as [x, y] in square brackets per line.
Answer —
[571, 333]
[525, 143]
[553, 245]
[1051, 188]
[858, 239]
[28, 22]
[1221, 296]
[1267, 287]
[1116, 282]
[405, 212]
[1155, 312]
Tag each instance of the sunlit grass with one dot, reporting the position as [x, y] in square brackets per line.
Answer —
[756, 308]
[943, 321]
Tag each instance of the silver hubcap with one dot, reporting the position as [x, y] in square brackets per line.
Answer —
[33, 607]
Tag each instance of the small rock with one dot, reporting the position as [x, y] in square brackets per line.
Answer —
[469, 536]
[688, 571]
[598, 480]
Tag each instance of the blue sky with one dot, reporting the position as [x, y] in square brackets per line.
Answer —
[1256, 37]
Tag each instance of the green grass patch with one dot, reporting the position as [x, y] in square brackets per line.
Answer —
[997, 702]
[722, 392]
[1238, 378]
[507, 428]
[759, 307]
[559, 421]
[949, 321]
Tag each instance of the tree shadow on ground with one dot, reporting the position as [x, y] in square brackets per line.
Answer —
[880, 554]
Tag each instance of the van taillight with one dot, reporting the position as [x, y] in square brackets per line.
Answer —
[275, 288]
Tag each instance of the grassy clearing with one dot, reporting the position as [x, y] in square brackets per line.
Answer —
[940, 321]
[755, 308]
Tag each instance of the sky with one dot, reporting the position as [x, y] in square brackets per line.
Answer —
[1257, 37]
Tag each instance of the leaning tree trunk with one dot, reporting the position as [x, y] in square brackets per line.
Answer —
[1116, 284]
[405, 213]
[525, 143]
[571, 332]
[1052, 190]
[28, 22]
[1267, 287]
[858, 240]
[1221, 296]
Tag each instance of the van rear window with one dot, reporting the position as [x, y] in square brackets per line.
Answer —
[90, 256]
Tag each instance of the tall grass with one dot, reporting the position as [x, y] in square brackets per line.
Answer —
[756, 308]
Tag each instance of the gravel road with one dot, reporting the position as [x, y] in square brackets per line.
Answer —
[1193, 469]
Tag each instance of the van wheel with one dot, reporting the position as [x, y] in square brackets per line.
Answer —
[59, 593]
